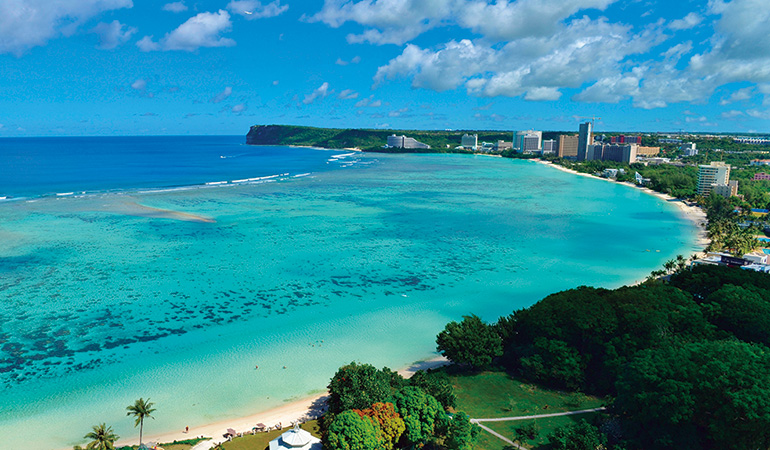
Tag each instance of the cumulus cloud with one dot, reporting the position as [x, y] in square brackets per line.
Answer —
[113, 34]
[342, 62]
[222, 96]
[139, 85]
[533, 67]
[738, 96]
[253, 9]
[202, 30]
[320, 93]
[239, 108]
[25, 24]
[691, 20]
[176, 7]
[368, 101]
[400, 21]
[347, 94]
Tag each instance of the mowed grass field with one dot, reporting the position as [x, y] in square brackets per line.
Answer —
[487, 395]
[260, 441]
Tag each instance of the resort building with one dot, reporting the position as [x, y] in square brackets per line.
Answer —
[669, 141]
[404, 142]
[528, 141]
[623, 139]
[503, 145]
[647, 151]
[709, 175]
[689, 149]
[760, 162]
[470, 141]
[568, 146]
[761, 176]
[622, 153]
[550, 146]
[726, 191]
[752, 140]
[585, 138]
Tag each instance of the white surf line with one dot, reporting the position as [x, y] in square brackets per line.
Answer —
[540, 416]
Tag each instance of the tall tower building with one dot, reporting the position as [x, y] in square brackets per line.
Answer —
[709, 175]
[568, 146]
[585, 138]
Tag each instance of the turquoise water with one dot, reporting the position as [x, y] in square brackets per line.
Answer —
[106, 300]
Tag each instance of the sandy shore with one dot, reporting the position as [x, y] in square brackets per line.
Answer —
[692, 212]
[306, 409]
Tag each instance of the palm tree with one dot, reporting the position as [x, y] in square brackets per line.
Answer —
[140, 409]
[102, 438]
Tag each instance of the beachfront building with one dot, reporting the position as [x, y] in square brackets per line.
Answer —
[404, 142]
[568, 146]
[528, 141]
[585, 139]
[470, 141]
[550, 146]
[296, 439]
[502, 145]
[726, 191]
[622, 153]
[709, 175]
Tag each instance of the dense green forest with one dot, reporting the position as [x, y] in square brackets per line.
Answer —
[686, 364]
[365, 139]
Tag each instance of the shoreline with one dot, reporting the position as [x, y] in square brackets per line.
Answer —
[693, 213]
[307, 408]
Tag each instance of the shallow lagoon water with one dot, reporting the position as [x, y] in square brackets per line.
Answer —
[364, 259]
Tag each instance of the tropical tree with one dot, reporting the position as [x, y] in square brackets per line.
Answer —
[461, 433]
[388, 423]
[350, 431]
[358, 386]
[471, 342]
[140, 410]
[423, 415]
[102, 438]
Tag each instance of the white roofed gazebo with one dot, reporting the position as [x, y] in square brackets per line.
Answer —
[296, 439]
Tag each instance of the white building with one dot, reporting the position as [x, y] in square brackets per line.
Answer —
[528, 141]
[689, 149]
[296, 439]
[550, 146]
[470, 141]
[404, 142]
[709, 175]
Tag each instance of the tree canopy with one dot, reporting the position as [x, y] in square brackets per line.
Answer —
[471, 342]
[350, 431]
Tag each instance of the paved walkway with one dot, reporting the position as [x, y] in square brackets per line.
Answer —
[539, 416]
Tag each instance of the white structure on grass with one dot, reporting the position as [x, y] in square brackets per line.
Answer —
[296, 439]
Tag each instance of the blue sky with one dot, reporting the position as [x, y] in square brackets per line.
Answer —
[117, 67]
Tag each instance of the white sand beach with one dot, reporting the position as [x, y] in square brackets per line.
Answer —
[305, 409]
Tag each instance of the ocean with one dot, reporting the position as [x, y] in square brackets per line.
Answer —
[136, 267]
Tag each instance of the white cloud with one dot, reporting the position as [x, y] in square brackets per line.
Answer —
[400, 21]
[146, 44]
[738, 96]
[202, 30]
[612, 89]
[368, 101]
[239, 108]
[222, 96]
[342, 62]
[347, 94]
[25, 24]
[732, 114]
[139, 85]
[113, 34]
[176, 7]
[253, 9]
[398, 112]
[757, 114]
[691, 20]
[320, 93]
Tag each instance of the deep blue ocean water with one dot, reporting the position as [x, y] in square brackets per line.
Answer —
[154, 284]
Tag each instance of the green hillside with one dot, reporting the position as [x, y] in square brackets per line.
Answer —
[367, 140]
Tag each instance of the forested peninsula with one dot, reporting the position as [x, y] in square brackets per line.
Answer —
[368, 140]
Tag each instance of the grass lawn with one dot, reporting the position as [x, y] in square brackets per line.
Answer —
[544, 426]
[260, 441]
[496, 394]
